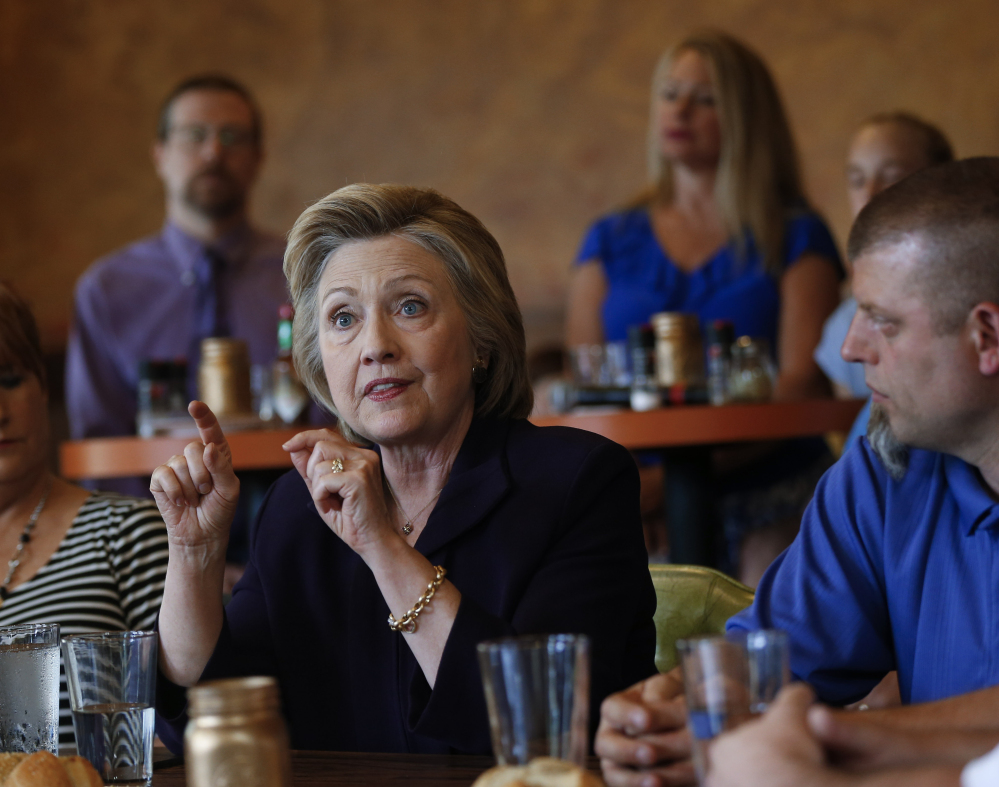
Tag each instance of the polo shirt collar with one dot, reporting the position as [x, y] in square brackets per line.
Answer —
[973, 500]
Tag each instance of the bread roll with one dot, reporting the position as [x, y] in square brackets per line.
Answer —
[81, 773]
[42, 769]
[503, 776]
[8, 762]
[540, 772]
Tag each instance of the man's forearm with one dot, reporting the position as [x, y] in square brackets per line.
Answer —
[977, 710]
[911, 777]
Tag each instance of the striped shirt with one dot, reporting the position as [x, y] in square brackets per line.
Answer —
[106, 575]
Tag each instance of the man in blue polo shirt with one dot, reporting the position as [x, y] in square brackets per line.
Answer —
[896, 566]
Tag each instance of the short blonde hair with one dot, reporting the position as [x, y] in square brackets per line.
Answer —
[759, 180]
[473, 264]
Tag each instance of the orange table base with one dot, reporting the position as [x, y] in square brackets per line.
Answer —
[114, 457]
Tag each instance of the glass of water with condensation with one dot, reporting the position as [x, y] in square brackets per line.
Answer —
[112, 692]
[29, 688]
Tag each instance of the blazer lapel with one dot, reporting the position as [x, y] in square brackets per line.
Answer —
[478, 482]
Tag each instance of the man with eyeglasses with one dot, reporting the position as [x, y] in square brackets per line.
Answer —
[206, 273]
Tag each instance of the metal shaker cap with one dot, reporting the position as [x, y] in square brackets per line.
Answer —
[233, 696]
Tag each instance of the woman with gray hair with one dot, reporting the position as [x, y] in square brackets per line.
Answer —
[437, 505]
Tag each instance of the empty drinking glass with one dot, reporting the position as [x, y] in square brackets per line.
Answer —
[600, 365]
[537, 693]
[729, 679]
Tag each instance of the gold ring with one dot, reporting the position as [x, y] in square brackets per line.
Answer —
[337, 466]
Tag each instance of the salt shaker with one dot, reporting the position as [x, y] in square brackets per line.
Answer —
[752, 371]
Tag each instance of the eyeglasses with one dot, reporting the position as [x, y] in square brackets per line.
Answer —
[194, 136]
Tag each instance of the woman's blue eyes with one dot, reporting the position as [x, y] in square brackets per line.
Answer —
[345, 320]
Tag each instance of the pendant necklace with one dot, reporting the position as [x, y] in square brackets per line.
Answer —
[15, 561]
[408, 527]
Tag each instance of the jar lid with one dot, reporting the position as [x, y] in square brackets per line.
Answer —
[224, 347]
[232, 696]
[751, 346]
[675, 322]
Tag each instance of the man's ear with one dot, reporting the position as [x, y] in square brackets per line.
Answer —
[984, 322]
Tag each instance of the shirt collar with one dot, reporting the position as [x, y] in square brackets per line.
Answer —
[970, 493]
[233, 247]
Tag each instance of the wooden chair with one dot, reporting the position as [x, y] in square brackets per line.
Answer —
[692, 600]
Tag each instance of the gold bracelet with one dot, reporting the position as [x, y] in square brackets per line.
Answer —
[407, 622]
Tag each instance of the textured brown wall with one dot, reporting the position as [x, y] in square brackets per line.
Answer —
[530, 113]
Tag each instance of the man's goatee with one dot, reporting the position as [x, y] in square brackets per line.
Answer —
[894, 455]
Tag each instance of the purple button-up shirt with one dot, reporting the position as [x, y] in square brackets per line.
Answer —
[146, 301]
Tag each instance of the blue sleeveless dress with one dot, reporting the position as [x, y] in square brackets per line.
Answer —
[643, 280]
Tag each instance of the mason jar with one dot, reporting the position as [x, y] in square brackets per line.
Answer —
[679, 350]
[236, 736]
[224, 376]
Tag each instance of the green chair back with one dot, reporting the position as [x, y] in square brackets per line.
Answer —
[692, 600]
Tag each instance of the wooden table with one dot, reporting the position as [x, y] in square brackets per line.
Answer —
[683, 434]
[672, 427]
[668, 427]
[348, 769]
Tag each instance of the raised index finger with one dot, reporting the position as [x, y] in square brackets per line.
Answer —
[208, 427]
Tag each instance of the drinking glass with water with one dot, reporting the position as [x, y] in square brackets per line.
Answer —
[727, 680]
[29, 688]
[112, 691]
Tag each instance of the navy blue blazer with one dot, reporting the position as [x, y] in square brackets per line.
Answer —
[540, 531]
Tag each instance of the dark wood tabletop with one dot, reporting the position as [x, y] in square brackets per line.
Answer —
[350, 769]
[112, 457]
